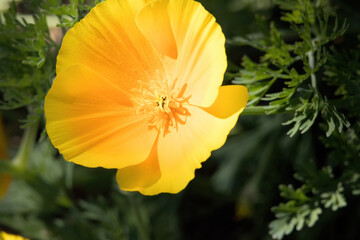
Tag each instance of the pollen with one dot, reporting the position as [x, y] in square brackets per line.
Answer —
[163, 103]
[165, 106]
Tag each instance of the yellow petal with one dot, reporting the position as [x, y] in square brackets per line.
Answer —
[231, 99]
[168, 52]
[108, 41]
[137, 177]
[181, 152]
[90, 122]
[153, 22]
[7, 236]
[201, 50]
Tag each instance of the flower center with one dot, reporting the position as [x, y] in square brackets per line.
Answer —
[164, 106]
[163, 103]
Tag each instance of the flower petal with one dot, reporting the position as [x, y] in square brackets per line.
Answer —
[145, 174]
[108, 41]
[201, 50]
[7, 236]
[90, 122]
[181, 152]
[153, 22]
[231, 99]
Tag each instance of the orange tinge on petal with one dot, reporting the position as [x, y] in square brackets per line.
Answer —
[5, 179]
[138, 88]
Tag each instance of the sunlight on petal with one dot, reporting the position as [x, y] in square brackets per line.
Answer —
[108, 41]
[201, 46]
[91, 122]
[162, 38]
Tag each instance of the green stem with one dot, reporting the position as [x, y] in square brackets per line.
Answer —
[311, 62]
[262, 110]
[139, 222]
[26, 145]
[257, 110]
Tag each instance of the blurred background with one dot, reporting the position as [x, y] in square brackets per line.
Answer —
[231, 196]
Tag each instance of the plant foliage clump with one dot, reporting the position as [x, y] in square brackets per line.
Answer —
[302, 72]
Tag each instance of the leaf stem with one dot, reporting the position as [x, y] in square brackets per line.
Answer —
[262, 110]
[26, 145]
[255, 110]
[139, 222]
[311, 62]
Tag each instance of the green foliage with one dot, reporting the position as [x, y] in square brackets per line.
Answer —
[40, 195]
[298, 65]
[28, 53]
[293, 76]
[321, 189]
[342, 71]
[295, 213]
[26, 61]
[68, 14]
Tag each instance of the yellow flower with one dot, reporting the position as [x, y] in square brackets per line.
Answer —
[7, 236]
[5, 179]
[138, 88]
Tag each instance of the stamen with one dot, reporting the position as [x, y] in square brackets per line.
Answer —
[164, 105]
